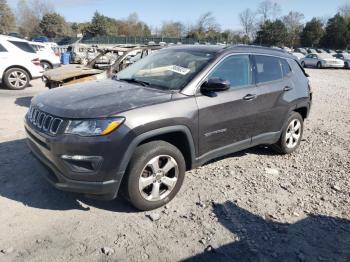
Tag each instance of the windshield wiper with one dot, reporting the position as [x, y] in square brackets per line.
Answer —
[133, 80]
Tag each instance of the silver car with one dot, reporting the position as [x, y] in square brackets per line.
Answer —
[345, 57]
[322, 61]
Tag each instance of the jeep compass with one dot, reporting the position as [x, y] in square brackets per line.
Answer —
[172, 111]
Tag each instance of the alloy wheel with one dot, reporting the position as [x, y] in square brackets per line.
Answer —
[18, 79]
[293, 133]
[158, 178]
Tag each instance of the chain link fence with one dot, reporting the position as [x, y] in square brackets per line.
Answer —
[131, 40]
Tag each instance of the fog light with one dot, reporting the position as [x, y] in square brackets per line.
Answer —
[83, 164]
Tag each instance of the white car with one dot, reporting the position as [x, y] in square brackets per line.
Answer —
[19, 63]
[321, 61]
[48, 58]
[298, 55]
[345, 57]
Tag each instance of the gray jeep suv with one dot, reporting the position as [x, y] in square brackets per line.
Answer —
[170, 112]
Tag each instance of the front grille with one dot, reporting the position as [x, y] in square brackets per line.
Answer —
[44, 122]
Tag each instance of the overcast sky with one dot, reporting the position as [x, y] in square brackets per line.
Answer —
[154, 12]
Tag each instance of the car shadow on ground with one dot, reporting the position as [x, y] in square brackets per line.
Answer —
[24, 101]
[22, 180]
[315, 238]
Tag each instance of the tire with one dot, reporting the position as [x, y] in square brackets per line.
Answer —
[319, 65]
[291, 135]
[303, 64]
[143, 186]
[46, 65]
[16, 79]
[346, 65]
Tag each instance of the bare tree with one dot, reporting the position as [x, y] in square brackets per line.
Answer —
[41, 7]
[172, 29]
[7, 19]
[247, 19]
[294, 24]
[29, 15]
[268, 9]
[207, 22]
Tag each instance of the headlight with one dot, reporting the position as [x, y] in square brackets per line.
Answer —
[93, 127]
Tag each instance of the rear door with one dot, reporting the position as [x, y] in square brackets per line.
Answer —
[227, 118]
[273, 79]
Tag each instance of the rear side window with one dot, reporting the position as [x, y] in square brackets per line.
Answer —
[23, 46]
[2, 49]
[285, 67]
[236, 69]
[267, 69]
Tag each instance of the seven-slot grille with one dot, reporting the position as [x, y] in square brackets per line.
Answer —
[43, 121]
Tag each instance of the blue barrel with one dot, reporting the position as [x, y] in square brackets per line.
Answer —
[65, 58]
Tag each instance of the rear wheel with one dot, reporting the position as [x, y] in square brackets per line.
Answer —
[303, 64]
[16, 79]
[346, 65]
[319, 65]
[46, 65]
[291, 134]
[154, 176]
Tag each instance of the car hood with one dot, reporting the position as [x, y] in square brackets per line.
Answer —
[102, 98]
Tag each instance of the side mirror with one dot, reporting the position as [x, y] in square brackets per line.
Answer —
[215, 85]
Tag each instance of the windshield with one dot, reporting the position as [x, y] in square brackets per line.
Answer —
[167, 69]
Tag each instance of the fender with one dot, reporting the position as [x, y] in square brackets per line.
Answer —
[161, 131]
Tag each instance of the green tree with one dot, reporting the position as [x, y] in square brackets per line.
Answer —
[53, 25]
[99, 24]
[7, 19]
[312, 33]
[272, 33]
[337, 33]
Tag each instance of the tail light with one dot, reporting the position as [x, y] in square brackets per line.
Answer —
[36, 61]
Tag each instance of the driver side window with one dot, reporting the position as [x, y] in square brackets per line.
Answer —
[236, 69]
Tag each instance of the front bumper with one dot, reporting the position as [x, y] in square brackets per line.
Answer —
[103, 183]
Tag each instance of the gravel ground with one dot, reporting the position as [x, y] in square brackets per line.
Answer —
[250, 206]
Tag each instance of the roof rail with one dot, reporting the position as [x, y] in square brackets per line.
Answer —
[257, 47]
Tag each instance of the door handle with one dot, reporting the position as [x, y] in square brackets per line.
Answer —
[249, 97]
[287, 88]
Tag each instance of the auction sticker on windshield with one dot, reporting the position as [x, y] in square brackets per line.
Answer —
[179, 69]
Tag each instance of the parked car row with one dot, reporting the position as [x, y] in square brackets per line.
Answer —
[322, 58]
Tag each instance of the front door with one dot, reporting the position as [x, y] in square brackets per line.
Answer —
[227, 118]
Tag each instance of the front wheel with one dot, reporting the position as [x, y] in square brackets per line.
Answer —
[346, 65]
[291, 134]
[303, 64]
[154, 176]
[319, 65]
